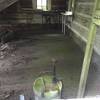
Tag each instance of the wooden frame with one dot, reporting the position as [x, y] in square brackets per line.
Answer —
[89, 49]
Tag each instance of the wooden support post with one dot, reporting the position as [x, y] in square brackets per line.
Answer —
[86, 62]
[88, 54]
[73, 5]
[69, 5]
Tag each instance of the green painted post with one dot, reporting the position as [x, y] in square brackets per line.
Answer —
[88, 52]
[86, 62]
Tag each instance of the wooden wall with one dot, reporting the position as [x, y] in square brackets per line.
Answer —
[80, 28]
[82, 19]
[6, 3]
[22, 11]
[26, 3]
[58, 4]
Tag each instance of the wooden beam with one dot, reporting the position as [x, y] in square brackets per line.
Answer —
[88, 54]
[86, 62]
[6, 3]
[69, 5]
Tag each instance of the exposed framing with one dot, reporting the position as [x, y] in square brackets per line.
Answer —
[88, 52]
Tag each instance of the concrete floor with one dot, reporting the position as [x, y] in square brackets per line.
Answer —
[93, 81]
[32, 56]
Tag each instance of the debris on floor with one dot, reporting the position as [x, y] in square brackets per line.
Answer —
[6, 49]
[32, 56]
[6, 95]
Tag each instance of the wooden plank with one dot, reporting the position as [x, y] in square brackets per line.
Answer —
[85, 9]
[6, 3]
[83, 20]
[88, 55]
[86, 62]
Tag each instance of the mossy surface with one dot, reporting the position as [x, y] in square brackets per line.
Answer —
[45, 83]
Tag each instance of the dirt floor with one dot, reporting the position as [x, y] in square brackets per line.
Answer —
[32, 55]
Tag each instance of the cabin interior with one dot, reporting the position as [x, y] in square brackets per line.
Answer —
[33, 32]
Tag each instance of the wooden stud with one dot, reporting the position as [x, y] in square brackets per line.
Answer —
[86, 62]
[88, 55]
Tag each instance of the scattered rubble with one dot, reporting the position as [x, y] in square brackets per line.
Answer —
[7, 94]
[7, 33]
[6, 49]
